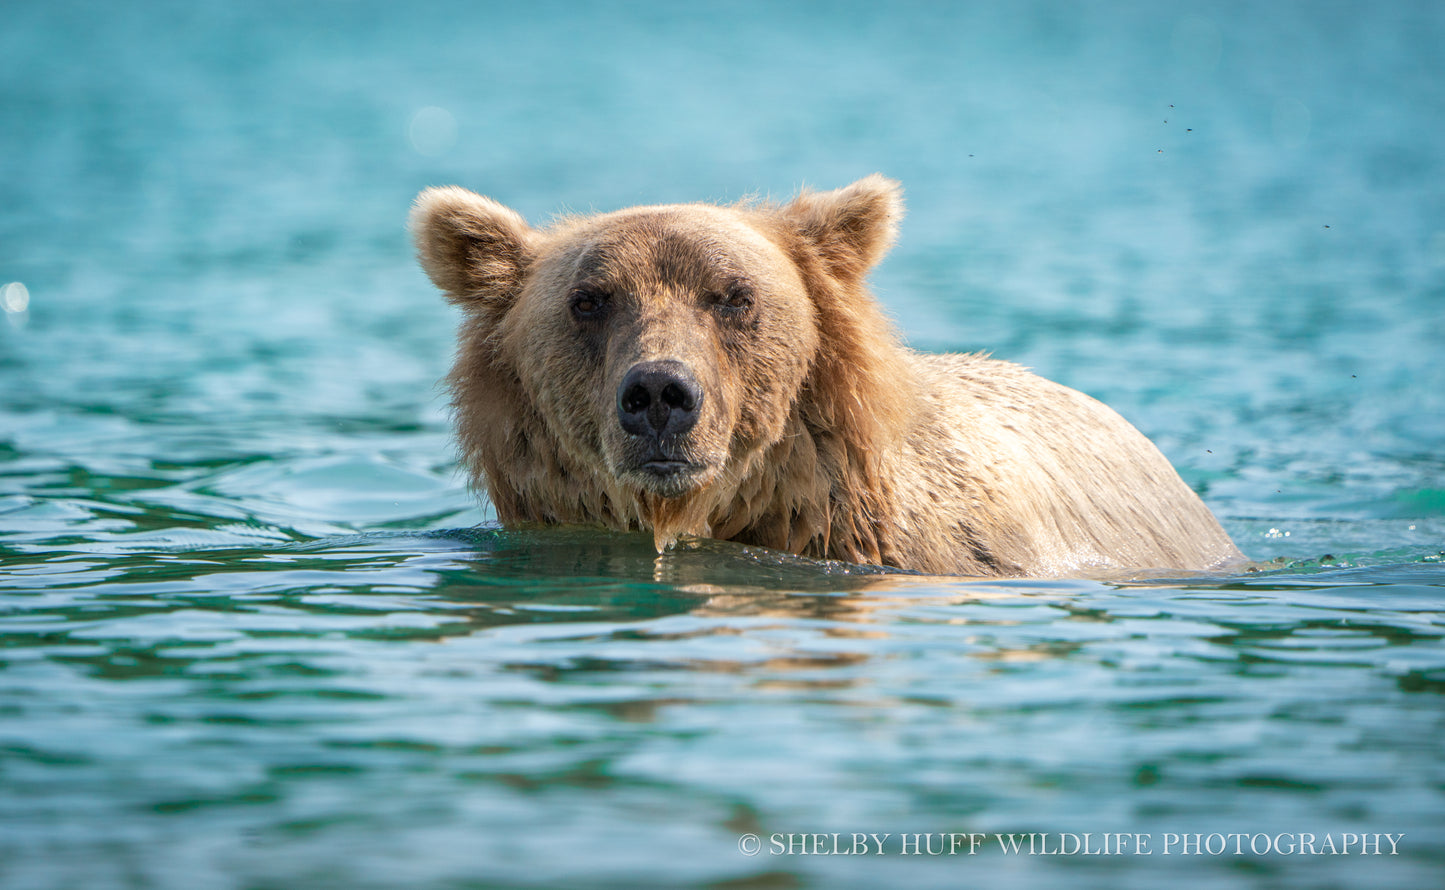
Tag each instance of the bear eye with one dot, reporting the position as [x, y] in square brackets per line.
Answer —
[587, 303]
[736, 300]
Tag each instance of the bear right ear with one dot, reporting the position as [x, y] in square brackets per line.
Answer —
[471, 247]
[851, 227]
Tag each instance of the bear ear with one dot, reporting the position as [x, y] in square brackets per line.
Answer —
[471, 247]
[852, 227]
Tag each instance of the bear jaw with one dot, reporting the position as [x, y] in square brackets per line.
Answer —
[666, 468]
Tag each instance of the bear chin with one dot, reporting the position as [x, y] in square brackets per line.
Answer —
[668, 479]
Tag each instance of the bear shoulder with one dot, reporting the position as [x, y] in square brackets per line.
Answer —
[1036, 478]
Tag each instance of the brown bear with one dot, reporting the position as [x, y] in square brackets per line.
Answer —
[724, 371]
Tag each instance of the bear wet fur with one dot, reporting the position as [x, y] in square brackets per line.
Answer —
[723, 371]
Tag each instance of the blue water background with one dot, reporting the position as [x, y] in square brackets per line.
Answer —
[249, 637]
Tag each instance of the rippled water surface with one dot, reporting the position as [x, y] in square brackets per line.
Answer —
[255, 633]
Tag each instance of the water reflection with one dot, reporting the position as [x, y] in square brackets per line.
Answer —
[326, 692]
[436, 586]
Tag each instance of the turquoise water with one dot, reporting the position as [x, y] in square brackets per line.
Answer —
[256, 634]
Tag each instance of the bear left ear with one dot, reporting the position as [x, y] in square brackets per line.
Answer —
[853, 226]
[471, 247]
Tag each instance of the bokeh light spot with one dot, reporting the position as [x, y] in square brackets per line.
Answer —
[14, 298]
[433, 131]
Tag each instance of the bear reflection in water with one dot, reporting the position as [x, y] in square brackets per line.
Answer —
[724, 371]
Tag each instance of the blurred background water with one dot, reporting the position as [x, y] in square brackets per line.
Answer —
[255, 633]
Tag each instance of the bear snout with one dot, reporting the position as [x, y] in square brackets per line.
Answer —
[658, 399]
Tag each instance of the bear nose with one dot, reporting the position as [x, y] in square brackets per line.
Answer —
[658, 399]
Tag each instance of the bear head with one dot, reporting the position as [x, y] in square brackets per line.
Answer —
[687, 368]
